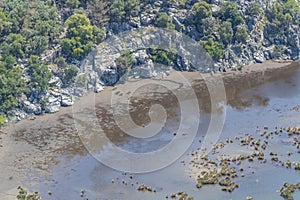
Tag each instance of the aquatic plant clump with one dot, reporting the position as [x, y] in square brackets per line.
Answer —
[219, 168]
[288, 189]
[212, 177]
[25, 195]
[228, 185]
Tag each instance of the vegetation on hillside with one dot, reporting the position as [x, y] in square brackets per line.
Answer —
[29, 29]
[11, 84]
[284, 13]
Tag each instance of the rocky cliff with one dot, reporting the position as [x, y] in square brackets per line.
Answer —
[231, 34]
[242, 32]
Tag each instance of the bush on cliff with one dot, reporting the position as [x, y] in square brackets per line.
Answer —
[79, 39]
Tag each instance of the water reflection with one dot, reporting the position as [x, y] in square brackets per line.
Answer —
[53, 139]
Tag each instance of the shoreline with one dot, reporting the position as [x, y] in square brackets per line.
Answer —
[265, 68]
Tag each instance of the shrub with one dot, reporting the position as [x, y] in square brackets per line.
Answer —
[125, 61]
[69, 71]
[203, 17]
[79, 40]
[229, 12]
[254, 9]
[11, 86]
[284, 13]
[162, 56]
[241, 35]
[40, 74]
[164, 21]
[25, 195]
[226, 32]
[2, 119]
[202, 10]
[214, 49]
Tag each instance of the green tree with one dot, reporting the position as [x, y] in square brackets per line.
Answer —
[3, 21]
[284, 13]
[14, 45]
[131, 7]
[163, 21]
[291, 7]
[241, 34]
[214, 49]
[11, 86]
[30, 19]
[72, 3]
[99, 12]
[38, 44]
[125, 61]
[202, 10]
[69, 71]
[255, 9]
[276, 14]
[78, 41]
[226, 32]
[203, 17]
[40, 74]
[117, 11]
[9, 61]
[229, 12]
[98, 34]
[162, 56]
[208, 26]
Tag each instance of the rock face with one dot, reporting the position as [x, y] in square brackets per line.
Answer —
[108, 76]
[260, 45]
[189, 56]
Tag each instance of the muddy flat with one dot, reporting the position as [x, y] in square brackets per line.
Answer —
[50, 153]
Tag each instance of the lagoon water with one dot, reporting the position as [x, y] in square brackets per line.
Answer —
[52, 157]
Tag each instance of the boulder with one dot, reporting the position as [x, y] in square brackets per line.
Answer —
[98, 88]
[66, 101]
[182, 64]
[30, 108]
[52, 108]
[55, 81]
[16, 115]
[109, 77]
[143, 71]
[147, 19]
[53, 104]
[259, 57]
[78, 92]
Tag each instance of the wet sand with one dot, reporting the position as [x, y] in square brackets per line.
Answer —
[30, 149]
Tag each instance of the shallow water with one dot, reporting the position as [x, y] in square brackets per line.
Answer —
[70, 168]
